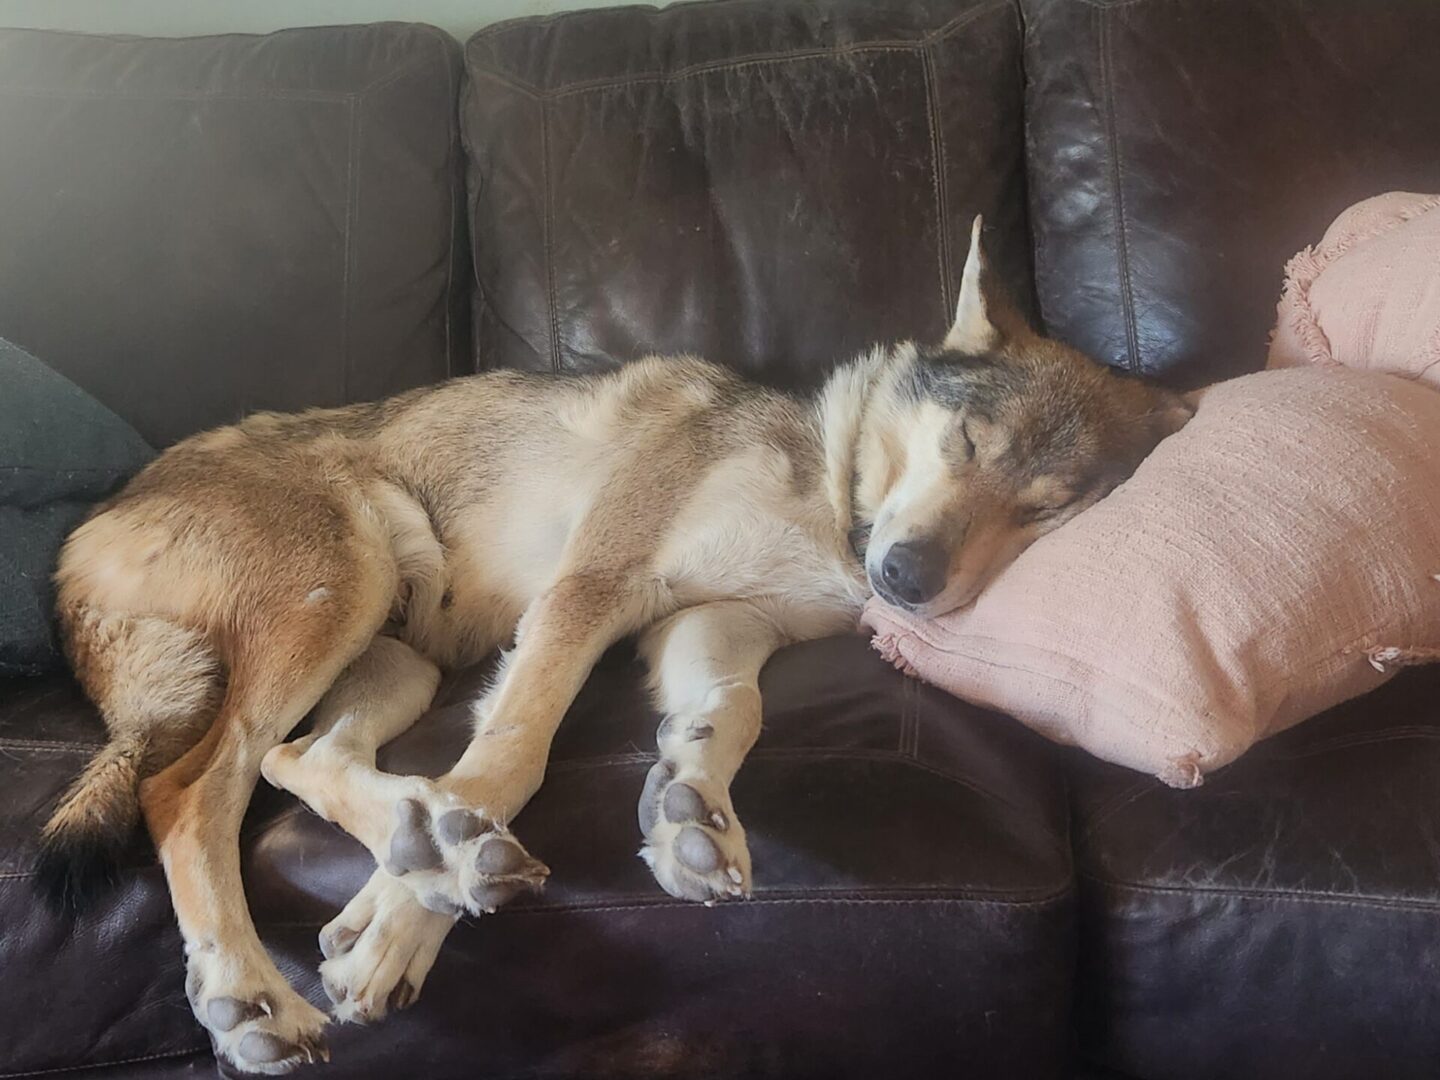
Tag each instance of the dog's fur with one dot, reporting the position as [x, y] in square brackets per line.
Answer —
[337, 560]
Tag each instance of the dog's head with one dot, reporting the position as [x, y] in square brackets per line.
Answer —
[971, 450]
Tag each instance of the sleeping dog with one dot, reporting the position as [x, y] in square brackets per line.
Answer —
[337, 560]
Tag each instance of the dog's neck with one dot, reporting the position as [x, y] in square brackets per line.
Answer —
[840, 409]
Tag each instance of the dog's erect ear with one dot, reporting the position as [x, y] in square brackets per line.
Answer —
[983, 318]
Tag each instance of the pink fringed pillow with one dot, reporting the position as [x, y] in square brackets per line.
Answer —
[1275, 557]
[1368, 295]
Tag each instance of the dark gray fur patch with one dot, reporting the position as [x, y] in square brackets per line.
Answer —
[956, 380]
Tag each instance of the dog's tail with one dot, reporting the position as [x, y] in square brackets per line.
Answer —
[158, 685]
[81, 844]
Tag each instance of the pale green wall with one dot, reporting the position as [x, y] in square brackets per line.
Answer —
[183, 17]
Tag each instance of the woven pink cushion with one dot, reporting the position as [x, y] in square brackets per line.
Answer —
[1242, 580]
[1368, 295]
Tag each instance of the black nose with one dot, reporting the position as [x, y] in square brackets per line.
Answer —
[914, 571]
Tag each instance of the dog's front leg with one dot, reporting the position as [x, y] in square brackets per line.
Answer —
[705, 664]
[446, 841]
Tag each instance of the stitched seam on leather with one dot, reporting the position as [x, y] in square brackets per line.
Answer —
[324, 97]
[453, 170]
[453, 135]
[106, 1064]
[351, 149]
[624, 82]
[956, 898]
[1117, 180]
[1118, 803]
[898, 757]
[1368, 738]
[1359, 900]
[506, 25]
[752, 60]
[937, 178]
[380, 82]
[132, 868]
[547, 226]
[39, 746]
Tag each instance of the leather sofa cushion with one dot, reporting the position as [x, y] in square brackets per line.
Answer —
[1288, 911]
[913, 900]
[774, 185]
[1180, 151]
[192, 229]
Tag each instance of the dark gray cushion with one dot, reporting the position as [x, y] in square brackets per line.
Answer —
[60, 451]
[196, 228]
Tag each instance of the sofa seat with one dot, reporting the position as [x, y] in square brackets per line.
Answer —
[913, 903]
[1288, 910]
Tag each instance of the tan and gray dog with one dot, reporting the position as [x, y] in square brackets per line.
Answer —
[337, 560]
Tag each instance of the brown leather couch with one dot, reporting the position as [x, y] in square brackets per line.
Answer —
[194, 229]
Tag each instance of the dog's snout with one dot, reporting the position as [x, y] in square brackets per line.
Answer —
[914, 571]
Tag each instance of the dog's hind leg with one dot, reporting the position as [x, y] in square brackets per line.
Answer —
[381, 694]
[705, 665]
[279, 668]
[379, 949]
[446, 841]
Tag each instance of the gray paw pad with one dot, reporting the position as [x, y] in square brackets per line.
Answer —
[499, 856]
[683, 803]
[661, 773]
[457, 826]
[338, 943]
[264, 1048]
[228, 1013]
[697, 852]
[411, 847]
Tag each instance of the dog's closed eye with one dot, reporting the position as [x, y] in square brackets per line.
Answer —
[1038, 512]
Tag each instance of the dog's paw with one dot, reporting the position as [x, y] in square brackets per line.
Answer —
[379, 950]
[455, 859]
[694, 843]
[257, 1023]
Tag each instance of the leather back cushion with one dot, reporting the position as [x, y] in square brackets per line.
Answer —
[773, 185]
[1180, 151]
[192, 229]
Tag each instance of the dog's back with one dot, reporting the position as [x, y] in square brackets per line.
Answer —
[443, 511]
